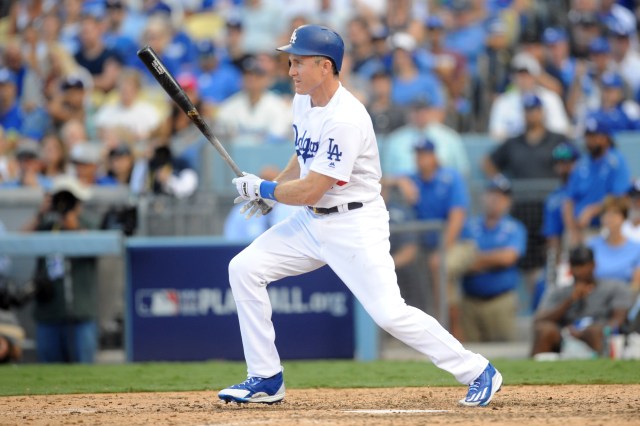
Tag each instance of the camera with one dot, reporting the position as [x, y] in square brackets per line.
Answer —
[123, 218]
[12, 295]
[61, 204]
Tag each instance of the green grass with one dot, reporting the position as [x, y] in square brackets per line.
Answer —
[32, 379]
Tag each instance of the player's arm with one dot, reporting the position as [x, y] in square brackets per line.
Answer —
[291, 171]
[453, 227]
[304, 192]
[494, 259]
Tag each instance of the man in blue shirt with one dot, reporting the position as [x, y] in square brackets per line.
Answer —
[603, 172]
[622, 114]
[217, 80]
[11, 116]
[564, 156]
[489, 301]
[439, 193]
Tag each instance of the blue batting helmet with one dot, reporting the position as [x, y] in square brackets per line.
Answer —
[316, 40]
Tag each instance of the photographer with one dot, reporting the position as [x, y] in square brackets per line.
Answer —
[11, 333]
[66, 288]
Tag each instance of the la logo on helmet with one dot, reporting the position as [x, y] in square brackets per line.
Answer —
[293, 36]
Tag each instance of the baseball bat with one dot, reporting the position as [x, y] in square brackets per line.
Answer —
[158, 70]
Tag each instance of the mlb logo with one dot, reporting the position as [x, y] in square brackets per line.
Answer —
[158, 303]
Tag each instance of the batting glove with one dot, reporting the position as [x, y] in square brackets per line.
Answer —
[248, 186]
[253, 207]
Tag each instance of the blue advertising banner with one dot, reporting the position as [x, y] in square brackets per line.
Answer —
[180, 306]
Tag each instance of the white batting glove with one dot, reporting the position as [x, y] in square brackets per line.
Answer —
[253, 207]
[248, 186]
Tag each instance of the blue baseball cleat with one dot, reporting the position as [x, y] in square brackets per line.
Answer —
[255, 389]
[482, 389]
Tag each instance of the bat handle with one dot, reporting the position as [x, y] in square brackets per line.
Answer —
[264, 207]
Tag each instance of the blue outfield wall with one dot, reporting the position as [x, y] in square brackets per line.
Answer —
[180, 306]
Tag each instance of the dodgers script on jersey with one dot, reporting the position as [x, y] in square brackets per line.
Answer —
[337, 140]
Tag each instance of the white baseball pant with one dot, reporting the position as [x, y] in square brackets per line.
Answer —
[355, 245]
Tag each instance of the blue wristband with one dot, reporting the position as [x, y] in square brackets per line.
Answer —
[268, 189]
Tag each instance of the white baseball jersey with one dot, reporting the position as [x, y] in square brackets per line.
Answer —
[337, 140]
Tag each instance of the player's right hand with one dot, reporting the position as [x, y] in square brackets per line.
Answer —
[253, 207]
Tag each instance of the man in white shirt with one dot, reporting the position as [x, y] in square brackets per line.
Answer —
[254, 115]
[132, 118]
[506, 119]
[426, 120]
[625, 56]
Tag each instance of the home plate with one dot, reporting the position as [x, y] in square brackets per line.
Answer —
[394, 411]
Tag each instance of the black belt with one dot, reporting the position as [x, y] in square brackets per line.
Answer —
[329, 210]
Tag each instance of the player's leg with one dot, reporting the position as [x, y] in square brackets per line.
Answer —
[284, 250]
[360, 256]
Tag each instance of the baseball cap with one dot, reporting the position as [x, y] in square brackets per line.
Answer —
[251, 65]
[580, 255]
[94, 9]
[434, 22]
[425, 145]
[525, 62]
[459, 5]
[234, 21]
[596, 124]
[72, 82]
[71, 184]
[612, 80]
[530, 36]
[599, 45]
[404, 41]
[380, 72]
[114, 4]
[85, 153]
[583, 18]
[618, 28]
[27, 149]
[421, 101]
[379, 32]
[565, 152]
[554, 35]
[6, 76]
[634, 189]
[120, 150]
[206, 48]
[531, 101]
[499, 183]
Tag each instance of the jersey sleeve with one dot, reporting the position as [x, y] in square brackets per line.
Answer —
[552, 225]
[337, 152]
[459, 194]
[517, 239]
[621, 178]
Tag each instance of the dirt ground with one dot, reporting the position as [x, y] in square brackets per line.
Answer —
[524, 405]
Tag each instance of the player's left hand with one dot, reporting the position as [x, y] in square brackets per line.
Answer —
[253, 207]
[248, 186]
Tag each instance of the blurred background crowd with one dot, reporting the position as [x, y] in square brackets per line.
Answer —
[551, 83]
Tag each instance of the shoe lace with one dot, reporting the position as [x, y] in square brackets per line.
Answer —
[474, 387]
[252, 381]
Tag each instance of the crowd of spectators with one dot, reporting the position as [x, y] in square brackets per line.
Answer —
[538, 77]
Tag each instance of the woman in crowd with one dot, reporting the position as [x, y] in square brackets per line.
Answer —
[617, 258]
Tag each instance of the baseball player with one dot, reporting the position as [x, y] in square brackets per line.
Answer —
[335, 173]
